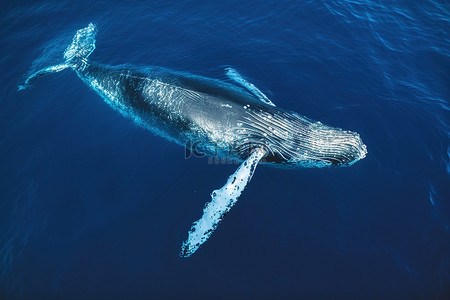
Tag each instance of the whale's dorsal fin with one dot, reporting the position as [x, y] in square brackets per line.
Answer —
[222, 201]
[235, 76]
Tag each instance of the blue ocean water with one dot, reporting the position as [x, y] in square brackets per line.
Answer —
[95, 207]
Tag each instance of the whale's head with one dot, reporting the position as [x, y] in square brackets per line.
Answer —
[291, 140]
[321, 145]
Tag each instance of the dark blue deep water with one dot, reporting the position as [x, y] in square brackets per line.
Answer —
[94, 207]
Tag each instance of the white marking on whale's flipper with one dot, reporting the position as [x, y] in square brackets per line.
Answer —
[234, 75]
[222, 201]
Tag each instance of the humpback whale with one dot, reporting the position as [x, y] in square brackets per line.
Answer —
[233, 120]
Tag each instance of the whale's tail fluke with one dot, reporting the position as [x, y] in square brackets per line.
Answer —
[82, 45]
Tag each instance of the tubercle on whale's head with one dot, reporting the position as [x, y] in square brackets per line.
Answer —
[292, 140]
[332, 147]
[355, 150]
[321, 147]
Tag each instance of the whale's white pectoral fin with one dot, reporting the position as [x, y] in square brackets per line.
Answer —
[235, 76]
[222, 201]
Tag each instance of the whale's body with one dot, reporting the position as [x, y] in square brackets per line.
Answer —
[224, 120]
